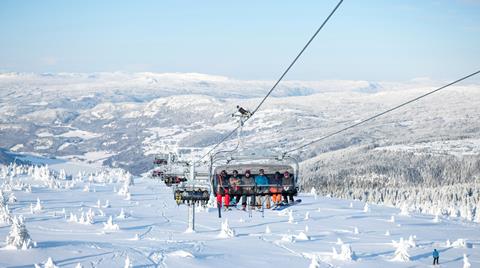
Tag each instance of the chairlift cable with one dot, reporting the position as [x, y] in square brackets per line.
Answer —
[380, 114]
[278, 81]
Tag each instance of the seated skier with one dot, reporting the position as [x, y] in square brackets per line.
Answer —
[261, 182]
[222, 189]
[235, 189]
[288, 187]
[248, 185]
[276, 188]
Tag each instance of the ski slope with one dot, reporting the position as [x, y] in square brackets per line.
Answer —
[151, 231]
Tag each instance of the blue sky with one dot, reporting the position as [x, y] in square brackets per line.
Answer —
[390, 40]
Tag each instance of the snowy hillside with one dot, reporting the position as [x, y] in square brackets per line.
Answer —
[123, 119]
[127, 117]
[101, 220]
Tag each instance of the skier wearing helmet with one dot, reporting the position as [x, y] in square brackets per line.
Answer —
[287, 183]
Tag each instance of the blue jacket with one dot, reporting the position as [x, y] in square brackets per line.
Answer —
[435, 254]
[261, 180]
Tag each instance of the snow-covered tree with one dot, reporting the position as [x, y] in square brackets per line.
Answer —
[5, 216]
[110, 226]
[314, 263]
[412, 242]
[366, 208]
[122, 214]
[401, 252]
[346, 253]
[128, 263]
[18, 237]
[50, 263]
[226, 231]
[290, 216]
[466, 262]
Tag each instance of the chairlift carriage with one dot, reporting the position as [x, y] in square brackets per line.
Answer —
[287, 167]
[169, 170]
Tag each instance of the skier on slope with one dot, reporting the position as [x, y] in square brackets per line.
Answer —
[435, 256]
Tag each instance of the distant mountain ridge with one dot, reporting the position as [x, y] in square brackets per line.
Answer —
[122, 119]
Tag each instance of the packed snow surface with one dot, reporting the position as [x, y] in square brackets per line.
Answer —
[335, 233]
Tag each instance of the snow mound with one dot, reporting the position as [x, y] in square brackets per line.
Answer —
[302, 236]
[288, 238]
[181, 254]
[460, 243]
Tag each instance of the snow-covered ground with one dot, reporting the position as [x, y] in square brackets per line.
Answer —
[151, 231]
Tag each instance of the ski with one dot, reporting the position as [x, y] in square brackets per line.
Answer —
[282, 207]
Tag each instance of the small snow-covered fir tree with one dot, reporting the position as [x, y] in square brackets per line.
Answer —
[460, 243]
[18, 237]
[38, 207]
[5, 216]
[129, 179]
[62, 175]
[50, 263]
[411, 241]
[302, 236]
[314, 263]
[355, 230]
[466, 262]
[401, 252]
[290, 216]
[404, 210]
[314, 193]
[307, 215]
[110, 226]
[366, 208]
[226, 231]
[128, 263]
[122, 214]
[79, 265]
[267, 230]
[12, 198]
[477, 213]
[124, 191]
[346, 253]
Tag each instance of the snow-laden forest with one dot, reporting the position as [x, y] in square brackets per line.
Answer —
[426, 182]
